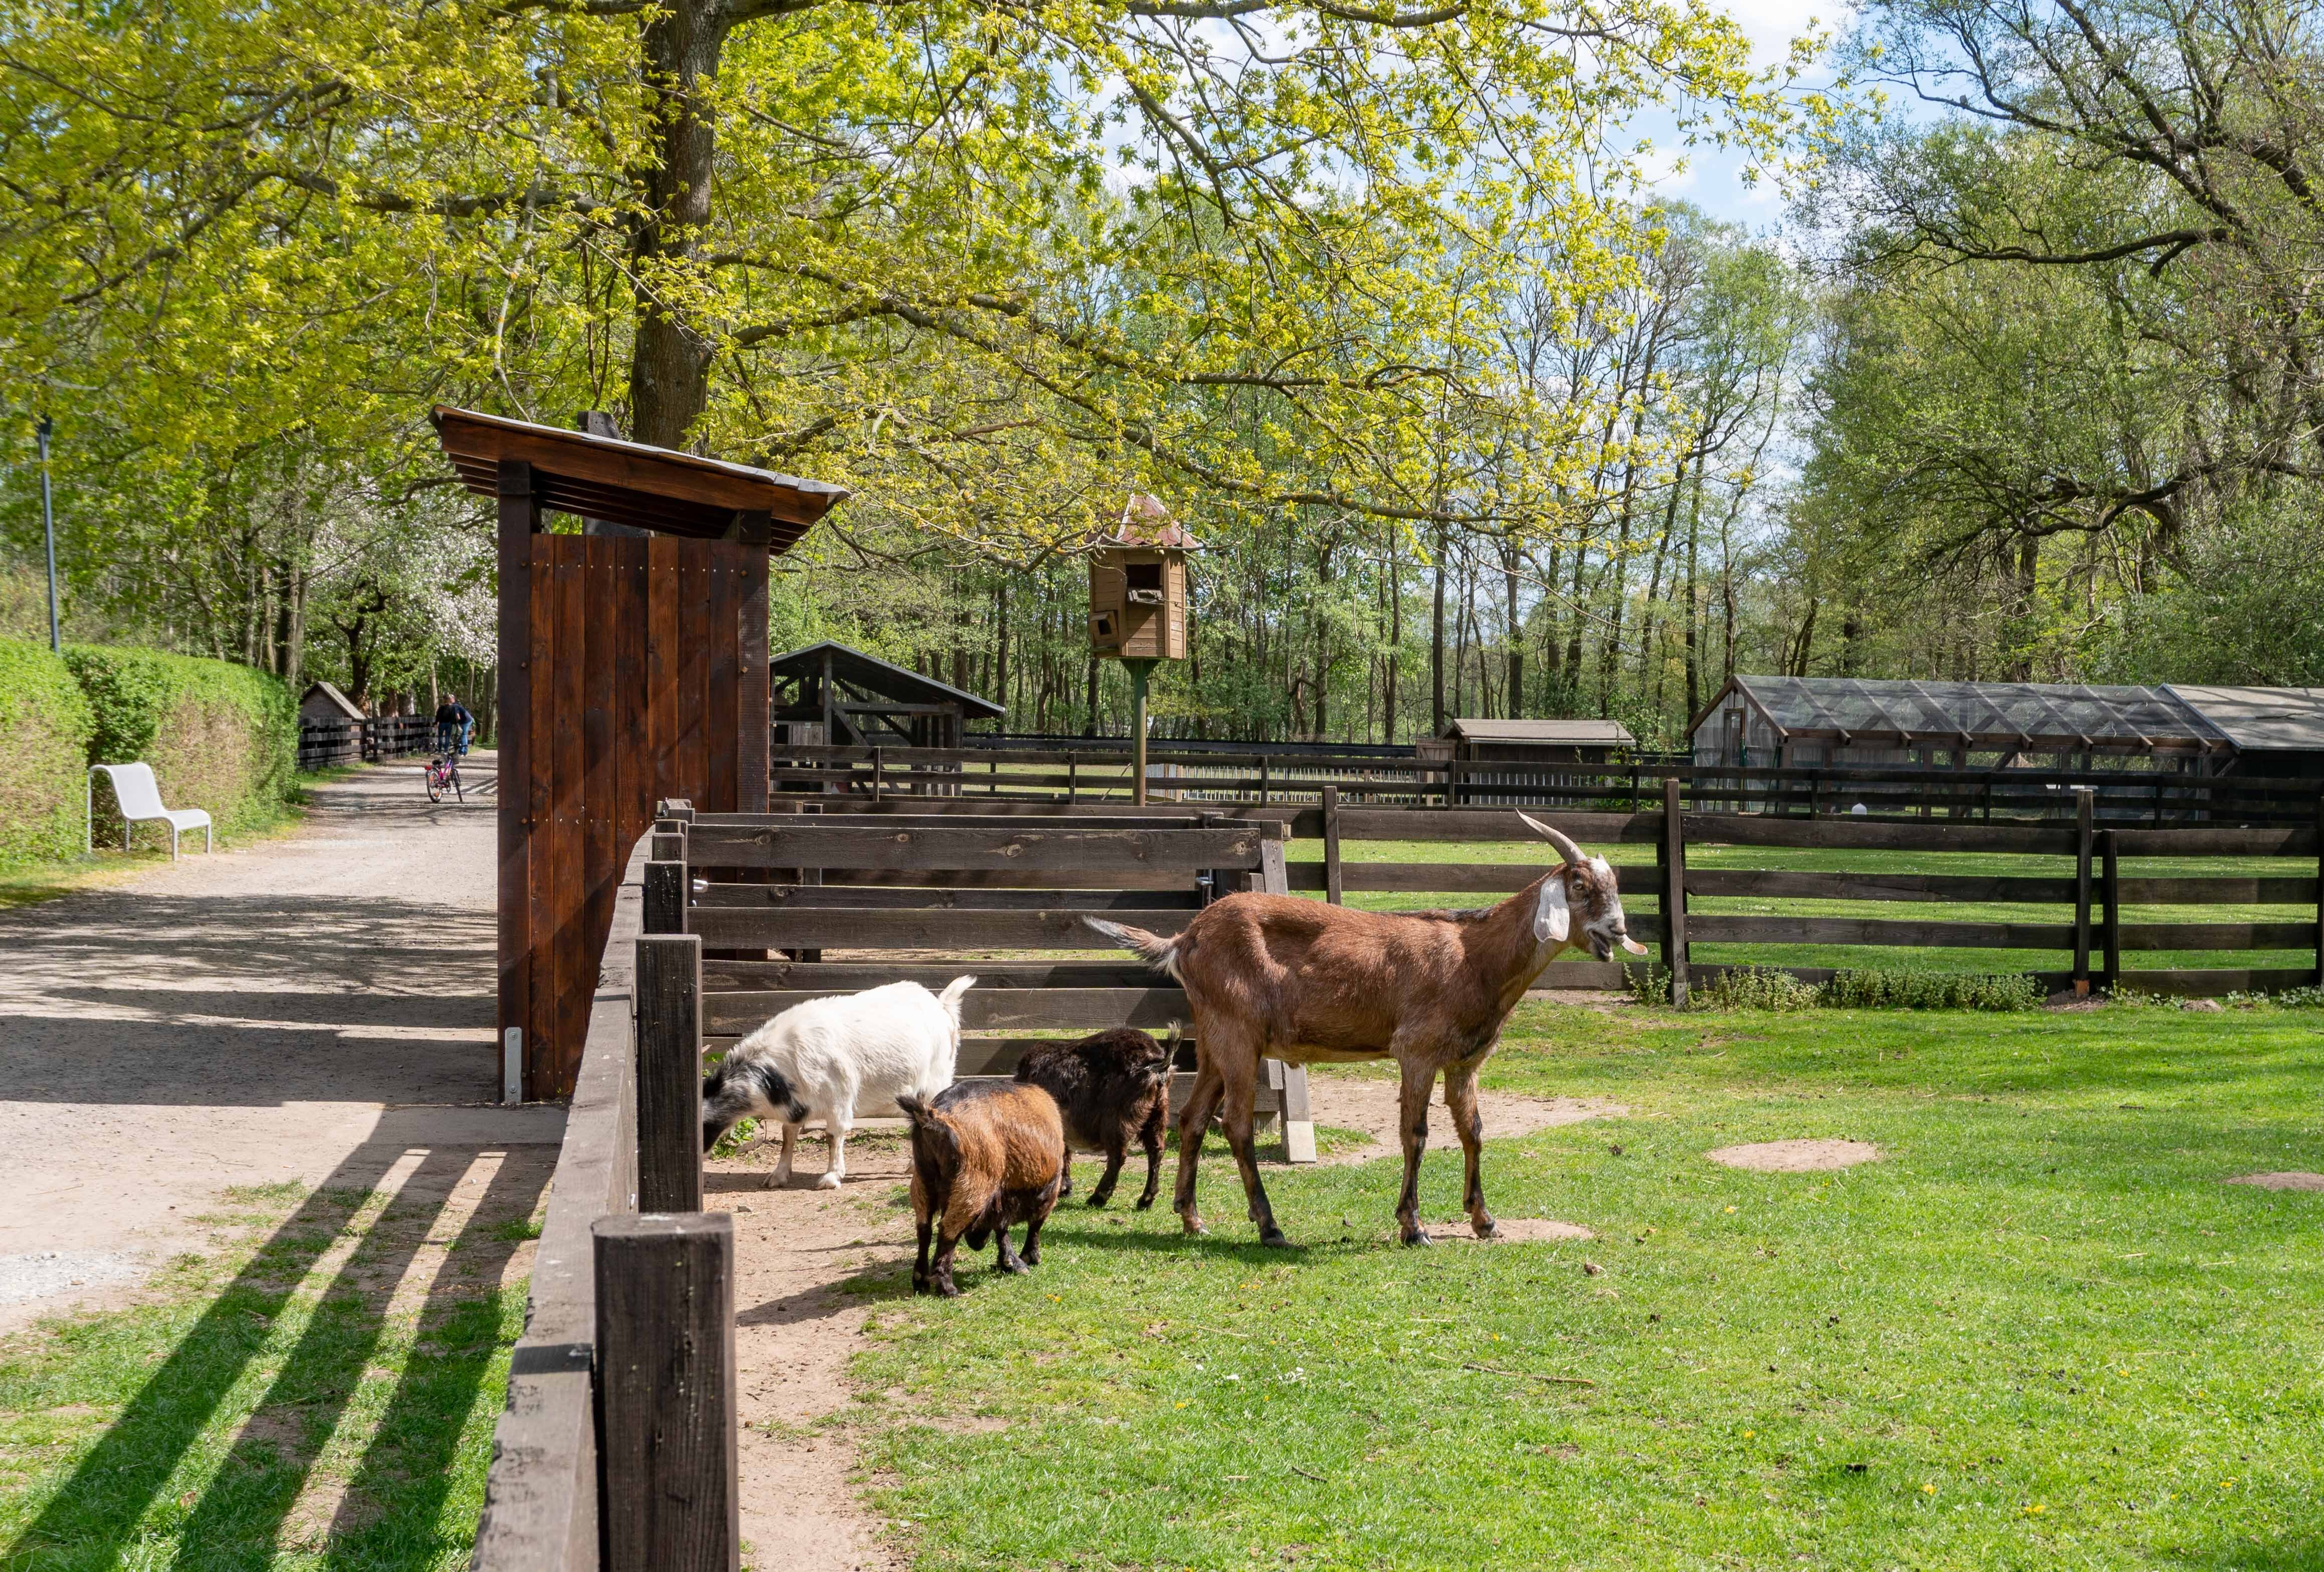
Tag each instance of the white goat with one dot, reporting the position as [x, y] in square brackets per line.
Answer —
[837, 1059]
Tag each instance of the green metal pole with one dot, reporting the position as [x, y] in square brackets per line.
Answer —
[1137, 672]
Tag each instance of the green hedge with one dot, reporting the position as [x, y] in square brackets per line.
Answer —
[45, 727]
[220, 736]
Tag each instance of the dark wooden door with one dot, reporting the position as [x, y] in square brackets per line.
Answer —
[645, 676]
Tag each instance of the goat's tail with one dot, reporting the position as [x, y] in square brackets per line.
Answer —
[950, 998]
[929, 1131]
[1157, 951]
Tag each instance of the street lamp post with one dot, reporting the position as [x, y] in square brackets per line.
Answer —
[49, 526]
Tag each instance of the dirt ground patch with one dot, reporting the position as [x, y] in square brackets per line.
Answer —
[811, 1264]
[1368, 1103]
[1512, 1231]
[2294, 1179]
[1796, 1157]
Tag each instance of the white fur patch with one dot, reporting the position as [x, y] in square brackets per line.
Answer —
[1551, 920]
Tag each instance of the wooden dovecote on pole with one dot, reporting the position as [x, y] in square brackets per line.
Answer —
[1138, 612]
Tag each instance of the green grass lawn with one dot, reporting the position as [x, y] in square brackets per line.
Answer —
[2041, 1333]
[318, 1393]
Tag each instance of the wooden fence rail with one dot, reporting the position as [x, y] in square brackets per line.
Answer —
[323, 744]
[1100, 772]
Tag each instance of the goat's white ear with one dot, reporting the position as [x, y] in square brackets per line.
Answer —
[1551, 920]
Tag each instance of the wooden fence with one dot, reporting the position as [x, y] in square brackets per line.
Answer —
[618, 1446]
[323, 744]
[1100, 772]
[857, 904]
[2090, 936]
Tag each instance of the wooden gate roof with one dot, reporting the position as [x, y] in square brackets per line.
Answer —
[659, 489]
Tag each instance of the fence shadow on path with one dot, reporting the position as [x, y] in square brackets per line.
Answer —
[116, 1507]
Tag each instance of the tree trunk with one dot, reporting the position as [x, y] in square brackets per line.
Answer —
[1694, 610]
[1000, 652]
[1395, 638]
[1516, 632]
[669, 362]
[1436, 639]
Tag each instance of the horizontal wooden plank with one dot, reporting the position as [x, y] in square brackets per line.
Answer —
[858, 897]
[1492, 825]
[2216, 936]
[1013, 1009]
[851, 976]
[776, 929]
[1075, 851]
[1854, 835]
[952, 820]
[1784, 885]
[1299, 821]
[2219, 889]
[1717, 928]
[2193, 843]
[2207, 983]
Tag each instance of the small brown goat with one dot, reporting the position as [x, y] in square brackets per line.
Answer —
[1307, 983]
[984, 1154]
[1112, 1087]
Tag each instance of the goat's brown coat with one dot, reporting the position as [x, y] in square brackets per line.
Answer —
[983, 1156]
[1274, 976]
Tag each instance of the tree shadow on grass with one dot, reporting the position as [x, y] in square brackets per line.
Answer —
[113, 1509]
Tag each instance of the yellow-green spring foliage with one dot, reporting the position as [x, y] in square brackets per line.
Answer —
[220, 736]
[44, 731]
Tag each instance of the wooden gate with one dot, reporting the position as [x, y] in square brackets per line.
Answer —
[646, 678]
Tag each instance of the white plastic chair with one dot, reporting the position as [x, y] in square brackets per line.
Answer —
[140, 796]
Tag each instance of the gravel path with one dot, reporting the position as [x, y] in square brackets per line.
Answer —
[312, 1008]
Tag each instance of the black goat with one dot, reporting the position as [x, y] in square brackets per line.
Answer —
[1114, 1088]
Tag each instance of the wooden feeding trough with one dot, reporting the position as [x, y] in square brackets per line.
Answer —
[1137, 602]
[632, 667]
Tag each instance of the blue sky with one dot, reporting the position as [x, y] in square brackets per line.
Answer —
[1709, 176]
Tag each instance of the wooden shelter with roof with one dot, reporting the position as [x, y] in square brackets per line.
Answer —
[830, 693]
[632, 667]
[1794, 722]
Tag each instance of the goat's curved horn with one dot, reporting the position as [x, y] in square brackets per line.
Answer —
[1564, 847]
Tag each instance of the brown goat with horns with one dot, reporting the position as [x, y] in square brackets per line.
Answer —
[1278, 977]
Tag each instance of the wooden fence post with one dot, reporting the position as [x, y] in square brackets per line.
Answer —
[2084, 815]
[1674, 861]
[2319, 889]
[1332, 878]
[667, 1461]
[878, 774]
[664, 908]
[1298, 1122]
[2111, 908]
[669, 1073]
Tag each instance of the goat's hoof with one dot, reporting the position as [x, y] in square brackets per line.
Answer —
[1417, 1237]
[828, 1181]
[1144, 1203]
[1194, 1226]
[1274, 1238]
[1484, 1228]
[948, 1289]
[1015, 1268]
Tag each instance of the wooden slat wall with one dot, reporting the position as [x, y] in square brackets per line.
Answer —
[643, 680]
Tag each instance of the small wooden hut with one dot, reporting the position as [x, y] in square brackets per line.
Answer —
[632, 667]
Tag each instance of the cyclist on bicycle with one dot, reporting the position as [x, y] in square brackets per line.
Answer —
[454, 725]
